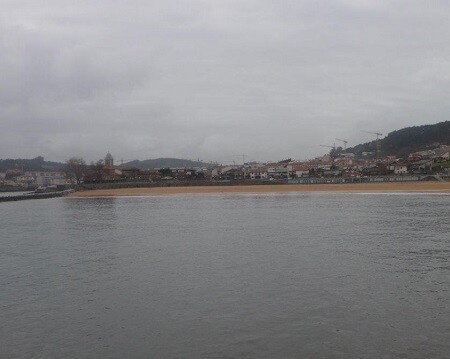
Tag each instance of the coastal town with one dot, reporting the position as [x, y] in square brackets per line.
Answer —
[334, 167]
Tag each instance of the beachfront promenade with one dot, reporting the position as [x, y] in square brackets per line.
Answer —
[369, 179]
[261, 182]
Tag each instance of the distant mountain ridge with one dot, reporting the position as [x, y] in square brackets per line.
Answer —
[402, 142]
[164, 163]
[399, 143]
[34, 164]
[39, 164]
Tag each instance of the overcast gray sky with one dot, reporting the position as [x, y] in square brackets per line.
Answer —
[213, 79]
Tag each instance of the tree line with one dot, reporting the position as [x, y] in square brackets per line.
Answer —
[77, 170]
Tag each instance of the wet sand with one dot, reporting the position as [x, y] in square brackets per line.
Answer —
[350, 187]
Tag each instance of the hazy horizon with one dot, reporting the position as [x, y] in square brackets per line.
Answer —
[212, 80]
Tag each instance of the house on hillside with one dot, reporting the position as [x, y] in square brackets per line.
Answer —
[442, 152]
[258, 173]
[233, 174]
[422, 166]
[277, 171]
[228, 172]
[40, 178]
[343, 162]
[400, 168]
[299, 169]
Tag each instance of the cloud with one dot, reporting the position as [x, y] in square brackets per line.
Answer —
[196, 78]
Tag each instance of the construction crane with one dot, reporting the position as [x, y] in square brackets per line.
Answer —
[333, 147]
[378, 134]
[343, 141]
[333, 152]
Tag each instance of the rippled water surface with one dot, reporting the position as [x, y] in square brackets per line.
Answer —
[317, 275]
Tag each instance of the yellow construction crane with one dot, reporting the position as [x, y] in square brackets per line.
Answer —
[378, 134]
[343, 141]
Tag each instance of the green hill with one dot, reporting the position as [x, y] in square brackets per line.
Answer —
[402, 142]
[34, 164]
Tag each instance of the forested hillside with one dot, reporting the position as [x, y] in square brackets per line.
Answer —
[410, 139]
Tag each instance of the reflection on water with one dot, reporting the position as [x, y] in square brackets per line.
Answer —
[277, 275]
[102, 213]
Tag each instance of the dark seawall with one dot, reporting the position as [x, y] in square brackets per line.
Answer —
[23, 197]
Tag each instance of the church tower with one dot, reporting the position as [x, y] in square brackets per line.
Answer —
[109, 161]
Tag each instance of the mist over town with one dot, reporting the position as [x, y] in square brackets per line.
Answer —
[207, 80]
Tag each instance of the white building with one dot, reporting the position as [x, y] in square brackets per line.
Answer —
[277, 172]
[299, 169]
[258, 173]
[400, 169]
[45, 179]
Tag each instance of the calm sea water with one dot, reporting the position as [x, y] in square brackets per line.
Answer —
[317, 275]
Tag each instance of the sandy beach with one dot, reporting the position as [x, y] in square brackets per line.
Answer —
[354, 187]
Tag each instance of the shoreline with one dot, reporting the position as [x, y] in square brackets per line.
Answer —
[344, 187]
[34, 195]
